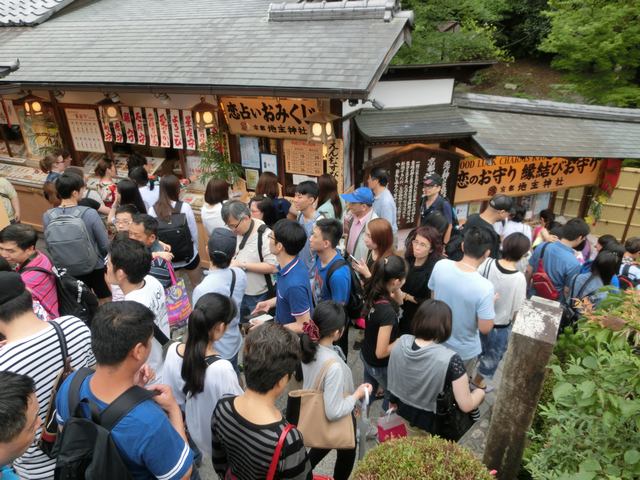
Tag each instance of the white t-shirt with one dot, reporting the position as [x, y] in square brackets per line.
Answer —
[149, 197]
[220, 381]
[39, 357]
[511, 287]
[151, 295]
[212, 217]
[514, 227]
[256, 282]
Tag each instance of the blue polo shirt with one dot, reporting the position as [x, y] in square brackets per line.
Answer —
[293, 292]
[559, 262]
[339, 284]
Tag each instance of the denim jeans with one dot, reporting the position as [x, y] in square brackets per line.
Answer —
[494, 345]
[377, 377]
[249, 302]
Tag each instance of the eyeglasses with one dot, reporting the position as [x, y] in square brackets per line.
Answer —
[124, 223]
[416, 243]
[271, 236]
[233, 227]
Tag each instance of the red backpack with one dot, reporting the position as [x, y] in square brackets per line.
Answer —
[541, 282]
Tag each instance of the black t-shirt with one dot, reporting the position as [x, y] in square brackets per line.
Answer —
[416, 285]
[422, 418]
[381, 315]
[476, 220]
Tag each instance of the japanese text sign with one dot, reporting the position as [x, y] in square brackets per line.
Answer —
[268, 117]
[85, 130]
[477, 180]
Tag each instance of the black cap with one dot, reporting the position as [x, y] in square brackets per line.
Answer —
[432, 179]
[502, 202]
[11, 286]
[222, 242]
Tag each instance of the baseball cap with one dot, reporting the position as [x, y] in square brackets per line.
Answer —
[432, 179]
[360, 195]
[501, 202]
[11, 286]
[222, 242]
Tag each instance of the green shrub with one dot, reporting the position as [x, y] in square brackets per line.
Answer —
[416, 458]
[590, 427]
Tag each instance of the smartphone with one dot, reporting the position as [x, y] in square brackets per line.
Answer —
[353, 258]
[260, 318]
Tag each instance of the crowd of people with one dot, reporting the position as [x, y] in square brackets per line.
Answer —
[287, 281]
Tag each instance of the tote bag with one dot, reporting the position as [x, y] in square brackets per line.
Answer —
[177, 297]
[306, 409]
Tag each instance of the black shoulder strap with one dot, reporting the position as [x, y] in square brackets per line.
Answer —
[37, 269]
[211, 359]
[61, 339]
[233, 283]
[74, 388]
[177, 207]
[267, 277]
[246, 236]
[334, 266]
[122, 405]
[626, 269]
[159, 335]
[584, 286]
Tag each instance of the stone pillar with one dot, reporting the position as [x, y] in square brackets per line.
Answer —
[532, 340]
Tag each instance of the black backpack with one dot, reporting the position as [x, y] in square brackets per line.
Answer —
[625, 280]
[75, 298]
[176, 233]
[355, 304]
[85, 448]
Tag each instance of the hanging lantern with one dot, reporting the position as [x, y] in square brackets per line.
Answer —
[33, 106]
[111, 107]
[205, 114]
[321, 127]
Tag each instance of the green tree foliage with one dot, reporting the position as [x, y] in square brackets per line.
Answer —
[524, 26]
[475, 40]
[596, 42]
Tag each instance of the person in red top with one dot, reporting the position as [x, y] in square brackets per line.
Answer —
[18, 247]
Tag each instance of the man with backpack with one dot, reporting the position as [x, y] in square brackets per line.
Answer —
[553, 265]
[76, 236]
[629, 276]
[334, 279]
[145, 426]
[305, 202]
[128, 267]
[432, 201]
[228, 281]
[39, 350]
[18, 247]
[252, 254]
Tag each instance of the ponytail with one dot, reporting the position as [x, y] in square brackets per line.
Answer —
[211, 309]
[384, 270]
[328, 316]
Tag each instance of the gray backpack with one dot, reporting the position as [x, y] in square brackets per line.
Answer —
[69, 242]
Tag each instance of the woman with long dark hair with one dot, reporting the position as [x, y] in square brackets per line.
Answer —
[162, 210]
[269, 187]
[127, 194]
[196, 373]
[216, 193]
[263, 209]
[589, 285]
[424, 249]
[330, 204]
[340, 396]
[147, 188]
[383, 297]
[378, 238]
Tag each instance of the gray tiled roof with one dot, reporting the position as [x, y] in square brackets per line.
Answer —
[195, 43]
[512, 127]
[29, 12]
[431, 122]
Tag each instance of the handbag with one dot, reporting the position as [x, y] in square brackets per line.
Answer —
[178, 303]
[450, 422]
[541, 282]
[391, 426]
[306, 409]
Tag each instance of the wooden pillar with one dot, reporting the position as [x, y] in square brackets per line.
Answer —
[530, 348]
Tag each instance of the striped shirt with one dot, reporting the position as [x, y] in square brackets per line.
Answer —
[248, 448]
[39, 356]
[41, 285]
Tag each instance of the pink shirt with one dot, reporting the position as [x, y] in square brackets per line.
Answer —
[41, 285]
[356, 228]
